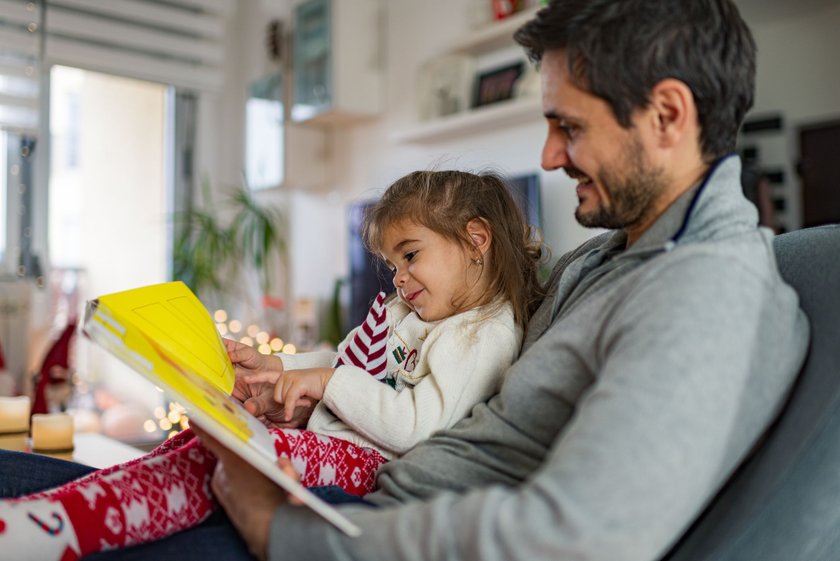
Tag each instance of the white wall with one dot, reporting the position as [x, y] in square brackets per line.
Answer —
[221, 150]
[365, 159]
[798, 75]
[799, 65]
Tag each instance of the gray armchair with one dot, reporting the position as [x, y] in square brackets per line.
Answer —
[783, 504]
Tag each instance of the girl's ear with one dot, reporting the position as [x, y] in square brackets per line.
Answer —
[480, 234]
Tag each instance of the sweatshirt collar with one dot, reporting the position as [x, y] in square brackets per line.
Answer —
[715, 202]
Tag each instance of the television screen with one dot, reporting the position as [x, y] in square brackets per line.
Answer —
[368, 275]
[526, 191]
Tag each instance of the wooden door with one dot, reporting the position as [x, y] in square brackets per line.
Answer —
[819, 168]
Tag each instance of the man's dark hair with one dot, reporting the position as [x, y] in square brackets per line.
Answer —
[619, 50]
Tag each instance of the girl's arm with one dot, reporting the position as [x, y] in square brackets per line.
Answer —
[315, 359]
[465, 367]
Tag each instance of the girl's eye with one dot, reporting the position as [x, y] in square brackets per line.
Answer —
[410, 255]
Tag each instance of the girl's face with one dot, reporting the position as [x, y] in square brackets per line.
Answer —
[431, 272]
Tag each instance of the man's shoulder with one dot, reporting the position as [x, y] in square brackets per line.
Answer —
[739, 266]
[746, 252]
[592, 243]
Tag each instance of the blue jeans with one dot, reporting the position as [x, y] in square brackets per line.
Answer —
[215, 538]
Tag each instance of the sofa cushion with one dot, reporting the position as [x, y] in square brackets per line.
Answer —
[783, 504]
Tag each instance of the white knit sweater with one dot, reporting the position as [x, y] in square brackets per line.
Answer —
[459, 362]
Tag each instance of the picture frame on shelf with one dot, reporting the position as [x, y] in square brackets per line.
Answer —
[444, 86]
[497, 84]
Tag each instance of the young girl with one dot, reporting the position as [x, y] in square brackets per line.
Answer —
[465, 273]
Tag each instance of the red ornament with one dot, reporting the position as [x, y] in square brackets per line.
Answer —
[504, 8]
[57, 356]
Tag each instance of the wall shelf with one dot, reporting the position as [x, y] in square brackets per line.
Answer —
[497, 115]
[494, 36]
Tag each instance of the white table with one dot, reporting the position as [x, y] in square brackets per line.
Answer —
[89, 448]
[99, 451]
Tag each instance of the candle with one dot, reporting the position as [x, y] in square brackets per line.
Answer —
[17, 442]
[14, 414]
[52, 431]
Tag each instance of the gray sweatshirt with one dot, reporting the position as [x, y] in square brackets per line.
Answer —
[645, 378]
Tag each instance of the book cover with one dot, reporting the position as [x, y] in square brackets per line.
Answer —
[166, 334]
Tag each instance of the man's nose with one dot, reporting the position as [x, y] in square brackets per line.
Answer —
[554, 154]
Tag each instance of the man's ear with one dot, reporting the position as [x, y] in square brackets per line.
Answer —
[480, 235]
[674, 112]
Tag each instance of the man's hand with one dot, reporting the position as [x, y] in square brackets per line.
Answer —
[272, 412]
[294, 386]
[248, 497]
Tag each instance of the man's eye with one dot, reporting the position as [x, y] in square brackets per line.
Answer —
[569, 130]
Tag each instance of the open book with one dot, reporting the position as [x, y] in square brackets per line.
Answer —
[164, 332]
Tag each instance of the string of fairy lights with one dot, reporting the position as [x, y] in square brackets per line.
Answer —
[174, 420]
[171, 422]
[253, 335]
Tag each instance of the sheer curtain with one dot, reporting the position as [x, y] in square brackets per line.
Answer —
[177, 43]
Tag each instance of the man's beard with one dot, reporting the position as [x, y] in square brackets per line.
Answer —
[633, 188]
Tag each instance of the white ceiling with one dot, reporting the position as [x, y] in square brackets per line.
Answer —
[769, 10]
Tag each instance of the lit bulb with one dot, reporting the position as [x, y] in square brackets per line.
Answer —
[220, 316]
[276, 344]
[235, 326]
[247, 341]
[223, 329]
[264, 349]
[289, 349]
[149, 426]
[262, 337]
[252, 330]
[164, 424]
[159, 412]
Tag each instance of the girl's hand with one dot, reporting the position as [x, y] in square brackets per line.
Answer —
[249, 360]
[255, 372]
[296, 385]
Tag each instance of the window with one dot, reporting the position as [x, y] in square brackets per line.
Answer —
[4, 193]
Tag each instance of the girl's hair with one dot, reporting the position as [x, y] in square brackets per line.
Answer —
[445, 202]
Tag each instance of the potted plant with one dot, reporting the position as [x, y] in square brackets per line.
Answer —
[209, 254]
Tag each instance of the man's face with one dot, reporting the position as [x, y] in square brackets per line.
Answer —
[617, 186]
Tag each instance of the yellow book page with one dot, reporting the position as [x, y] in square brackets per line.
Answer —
[175, 319]
[165, 333]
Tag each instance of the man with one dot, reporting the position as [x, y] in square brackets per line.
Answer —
[663, 351]
[660, 355]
